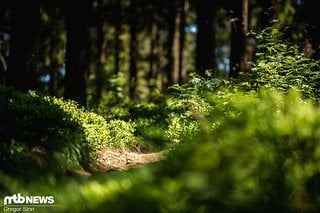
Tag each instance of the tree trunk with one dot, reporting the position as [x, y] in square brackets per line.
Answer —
[174, 43]
[117, 38]
[133, 50]
[3, 63]
[156, 52]
[4, 27]
[239, 28]
[159, 68]
[267, 13]
[153, 50]
[3, 69]
[101, 58]
[182, 49]
[101, 55]
[77, 45]
[205, 55]
[53, 83]
[309, 16]
[22, 73]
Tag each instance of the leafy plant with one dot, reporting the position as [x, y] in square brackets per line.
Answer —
[52, 135]
[281, 65]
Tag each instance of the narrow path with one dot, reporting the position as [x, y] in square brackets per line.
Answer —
[120, 160]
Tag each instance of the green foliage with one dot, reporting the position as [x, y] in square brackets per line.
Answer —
[147, 119]
[182, 119]
[51, 134]
[257, 152]
[197, 86]
[280, 64]
[249, 145]
[167, 122]
[151, 122]
[37, 133]
[180, 127]
[121, 134]
[187, 107]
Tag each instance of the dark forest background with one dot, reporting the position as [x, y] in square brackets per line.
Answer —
[135, 49]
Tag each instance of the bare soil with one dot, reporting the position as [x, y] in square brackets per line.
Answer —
[123, 160]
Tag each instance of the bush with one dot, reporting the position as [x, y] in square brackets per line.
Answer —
[257, 153]
[50, 134]
[188, 107]
[122, 134]
[281, 65]
[37, 133]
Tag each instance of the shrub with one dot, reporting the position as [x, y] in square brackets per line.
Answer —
[257, 153]
[281, 65]
[36, 132]
[188, 106]
[51, 134]
[121, 134]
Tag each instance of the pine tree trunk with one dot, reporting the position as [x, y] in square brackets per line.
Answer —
[77, 47]
[182, 49]
[117, 39]
[173, 44]
[53, 83]
[101, 58]
[310, 17]
[22, 70]
[133, 50]
[153, 50]
[156, 53]
[158, 65]
[267, 13]
[3, 62]
[239, 28]
[205, 55]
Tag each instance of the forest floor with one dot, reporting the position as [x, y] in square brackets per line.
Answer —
[123, 160]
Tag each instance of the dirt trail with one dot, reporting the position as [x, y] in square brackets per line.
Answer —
[121, 160]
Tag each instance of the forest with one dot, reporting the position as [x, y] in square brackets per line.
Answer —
[159, 106]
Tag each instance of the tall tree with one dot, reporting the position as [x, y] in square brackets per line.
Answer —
[176, 41]
[267, 14]
[133, 49]
[173, 43]
[4, 7]
[159, 68]
[309, 16]
[205, 50]
[3, 63]
[117, 34]
[156, 51]
[154, 31]
[54, 66]
[78, 19]
[52, 45]
[101, 52]
[25, 19]
[239, 57]
[182, 50]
